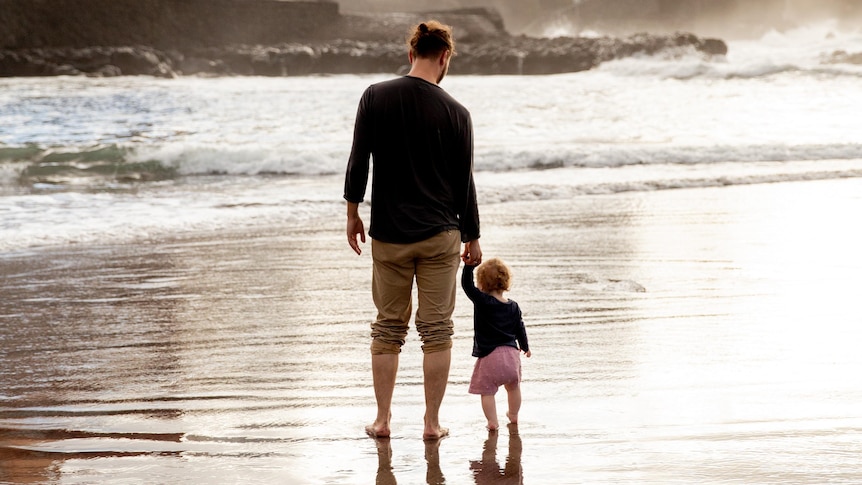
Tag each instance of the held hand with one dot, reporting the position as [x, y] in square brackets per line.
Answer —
[472, 254]
[355, 227]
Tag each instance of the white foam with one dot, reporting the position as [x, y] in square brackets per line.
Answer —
[806, 49]
[67, 217]
[190, 158]
[565, 183]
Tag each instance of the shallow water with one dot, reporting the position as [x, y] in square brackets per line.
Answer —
[688, 336]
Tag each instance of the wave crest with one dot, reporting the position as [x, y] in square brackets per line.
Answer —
[113, 164]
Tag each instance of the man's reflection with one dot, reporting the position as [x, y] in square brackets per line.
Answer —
[384, 462]
[487, 470]
[432, 456]
[385, 476]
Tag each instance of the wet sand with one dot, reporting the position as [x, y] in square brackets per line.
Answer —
[686, 336]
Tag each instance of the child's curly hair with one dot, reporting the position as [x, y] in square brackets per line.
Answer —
[493, 275]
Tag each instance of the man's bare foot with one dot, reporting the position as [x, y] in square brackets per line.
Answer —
[377, 431]
[435, 434]
[493, 426]
[513, 418]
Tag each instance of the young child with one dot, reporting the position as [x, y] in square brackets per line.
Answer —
[498, 332]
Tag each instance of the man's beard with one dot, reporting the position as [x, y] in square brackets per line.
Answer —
[443, 73]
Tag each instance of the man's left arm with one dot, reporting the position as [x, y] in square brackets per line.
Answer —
[356, 178]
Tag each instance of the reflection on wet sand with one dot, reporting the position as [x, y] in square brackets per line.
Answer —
[384, 462]
[22, 466]
[78, 332]
[32, 456]
[487, 470]
[385, 474]
[434, 476]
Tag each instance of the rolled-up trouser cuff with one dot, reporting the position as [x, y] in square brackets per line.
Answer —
[435, 336]
[380, 346]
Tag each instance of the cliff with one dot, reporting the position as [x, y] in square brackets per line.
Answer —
[163, 24]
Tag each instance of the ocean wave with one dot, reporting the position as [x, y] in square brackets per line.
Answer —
[496, 193]
[608, 156]
[217, 204]
[31, 166]
[69, 215]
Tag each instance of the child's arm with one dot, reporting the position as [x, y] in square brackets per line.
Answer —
[470, 289]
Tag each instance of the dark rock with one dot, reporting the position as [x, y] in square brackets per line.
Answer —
[97, 61]
[715, 47]
[191, 65]
[132, 60]
[106, 71]
[843, 57]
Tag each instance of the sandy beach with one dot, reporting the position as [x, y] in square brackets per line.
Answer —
[682, 336]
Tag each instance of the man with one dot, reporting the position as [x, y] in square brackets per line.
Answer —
[423, 206]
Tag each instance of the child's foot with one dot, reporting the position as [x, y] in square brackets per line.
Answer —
[493, 426]
[513, 418]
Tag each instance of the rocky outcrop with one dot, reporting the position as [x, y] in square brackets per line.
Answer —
[527, 55]
[92, 61]
[517, 55]
[311, 38]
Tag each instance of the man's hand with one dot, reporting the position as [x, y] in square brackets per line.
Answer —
[355, 227]
[472, 254]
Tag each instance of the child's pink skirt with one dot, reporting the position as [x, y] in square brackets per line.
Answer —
[502, 366]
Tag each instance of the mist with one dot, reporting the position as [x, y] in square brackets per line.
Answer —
[725, 18]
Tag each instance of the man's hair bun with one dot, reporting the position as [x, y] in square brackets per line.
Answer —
[430, 39]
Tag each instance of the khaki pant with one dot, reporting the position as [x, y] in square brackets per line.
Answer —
[434, 264]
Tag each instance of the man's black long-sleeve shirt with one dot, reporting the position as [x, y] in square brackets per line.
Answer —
[421, 140]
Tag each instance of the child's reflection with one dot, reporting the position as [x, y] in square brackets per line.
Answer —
[487, 470]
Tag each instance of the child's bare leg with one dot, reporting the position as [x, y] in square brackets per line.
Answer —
[489, 407]
[514, 393]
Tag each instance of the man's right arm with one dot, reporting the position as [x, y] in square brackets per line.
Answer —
[355, 227]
